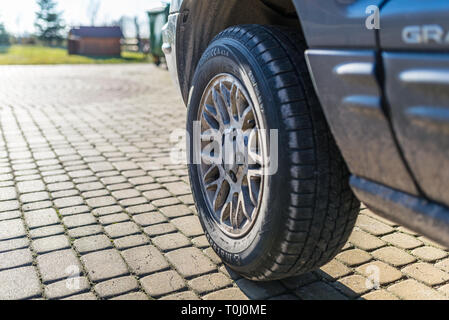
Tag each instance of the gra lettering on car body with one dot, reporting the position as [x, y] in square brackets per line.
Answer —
[431, 33]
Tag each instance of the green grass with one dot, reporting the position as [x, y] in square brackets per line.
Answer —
[24, 54]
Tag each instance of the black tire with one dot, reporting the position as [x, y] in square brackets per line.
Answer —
[308, 209]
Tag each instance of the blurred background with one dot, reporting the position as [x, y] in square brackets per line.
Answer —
[82, 31]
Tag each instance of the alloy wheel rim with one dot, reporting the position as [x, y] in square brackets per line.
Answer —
[231, 180]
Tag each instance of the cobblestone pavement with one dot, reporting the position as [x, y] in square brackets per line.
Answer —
[87, 191]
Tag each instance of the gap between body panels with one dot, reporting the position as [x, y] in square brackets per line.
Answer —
[386, 109]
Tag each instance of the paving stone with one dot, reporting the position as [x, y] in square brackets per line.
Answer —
[121, 229]
[117, 286]
[200, 242]
[133, 296]
[149, 219]
[334, 270]
[14, 244]
[171, 241]
[260, 290]
[394, 256]
[57, 265]
[73, 210]
[131, 241]
[60, 186]
[187, 295]
[444, 290]
[11, 229]
[46, 231]
[95, 194]
[68, 202]
[133, 201]
[44, 245]
[37, 206]
[10, 215]
[93, 243]
[84, 296]
[79, 220]
[101, 202]
[319, 291]
[365, 241]
[353, 286]
[141, 180]
[162, 283]
[34, 197]
[190, 226]
[143, 208]
[226, 295]
[373, 226]
[209, 282]
[40, 218]
[429, 254]
[16, 258]
[125, 194]
[100, 166]
[443, 265]
[107, 210]
[402, 240]
[157, 194]
[85, 231]
[426, 273]
[31, 186]
[413, 290]
[190, 262]
[354, 257]
[176, 211]
[113, 218]
[379, 272]
[67, 287]
[379, 295]
[431, 243]
[20, 283]
[159, 229]
[178, 188]
[160, 203]
[145, 260]
[9, 205]
[102, 265]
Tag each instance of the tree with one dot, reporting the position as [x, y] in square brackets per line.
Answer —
[49, 23]
[4, 36]
[137, 28]
[92, 10]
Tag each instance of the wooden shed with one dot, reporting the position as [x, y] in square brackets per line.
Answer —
[95, 41]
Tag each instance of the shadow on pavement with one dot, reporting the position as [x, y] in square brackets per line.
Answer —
[309, 286]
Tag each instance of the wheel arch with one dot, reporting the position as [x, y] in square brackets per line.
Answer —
[201, 20]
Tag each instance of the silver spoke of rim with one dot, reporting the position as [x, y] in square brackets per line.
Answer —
[242, 206]
[208, 179]
[247, 119]
[220, 193]
[253, 145]
[212, 117]
[220, 106]
[253, 176]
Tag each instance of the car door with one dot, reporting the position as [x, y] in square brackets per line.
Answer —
[414, 39]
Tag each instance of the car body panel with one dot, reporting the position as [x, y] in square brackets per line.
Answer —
[351, 99]
[417, 90]
[337, 23]
[415, 25]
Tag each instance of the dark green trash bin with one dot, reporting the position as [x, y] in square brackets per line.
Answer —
[158, 17]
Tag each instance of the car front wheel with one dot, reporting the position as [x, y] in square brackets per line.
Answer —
[268, 180]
